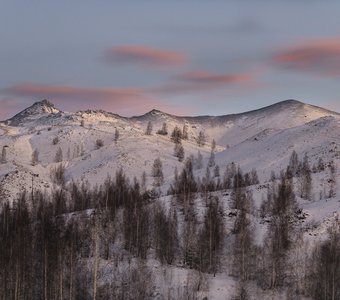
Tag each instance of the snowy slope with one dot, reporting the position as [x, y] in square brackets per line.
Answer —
[263, 139]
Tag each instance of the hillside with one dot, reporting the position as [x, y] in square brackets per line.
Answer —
[270, 133]
[94, 145]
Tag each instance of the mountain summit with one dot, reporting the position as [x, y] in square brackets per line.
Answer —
[37, 110]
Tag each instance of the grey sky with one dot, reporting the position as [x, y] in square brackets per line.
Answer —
[50, 45]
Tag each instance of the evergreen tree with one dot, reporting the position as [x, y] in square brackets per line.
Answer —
[211, 161]
[179, 151]
[148, 128]
[58, 155]
[199, 161]
[116, 135]
[294, 163]
[306, 179]
[157, 172]
[185, 134]
[35, 157]
[201, 139]
[176, 135]
[163, 130]
[332, 180]
[4, 155]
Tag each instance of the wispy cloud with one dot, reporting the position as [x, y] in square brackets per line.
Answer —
[144, 55]
[200, 81]
[203, 77]
[317, 56]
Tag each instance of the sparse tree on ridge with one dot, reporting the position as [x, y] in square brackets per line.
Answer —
[201, 139]
[176, 135]
[163, 130]
[185, 134]
[148, 128]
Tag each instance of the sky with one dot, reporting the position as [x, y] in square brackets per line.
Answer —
[186, 57]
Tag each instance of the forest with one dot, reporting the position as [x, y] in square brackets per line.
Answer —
[83, 242]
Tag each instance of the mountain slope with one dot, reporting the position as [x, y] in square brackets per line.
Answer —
[261, 139]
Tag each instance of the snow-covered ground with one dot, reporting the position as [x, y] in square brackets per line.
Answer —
[263, 139]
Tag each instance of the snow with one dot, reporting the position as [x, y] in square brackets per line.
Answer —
[263, 139]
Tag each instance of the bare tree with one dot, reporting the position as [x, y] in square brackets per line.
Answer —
[280, 232]
[211, 237]
[325, 266]
[165, 234]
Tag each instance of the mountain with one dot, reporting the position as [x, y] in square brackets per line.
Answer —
[37, 111]
[270, 133]
[41, 139]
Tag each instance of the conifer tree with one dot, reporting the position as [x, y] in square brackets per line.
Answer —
[148, 128]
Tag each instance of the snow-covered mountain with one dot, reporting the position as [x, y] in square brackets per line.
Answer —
[40, 138]
[261, 139]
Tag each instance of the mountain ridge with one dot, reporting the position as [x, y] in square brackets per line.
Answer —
[46, 107]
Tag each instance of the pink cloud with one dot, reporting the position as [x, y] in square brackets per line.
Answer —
[319, 56]
[211, 78]
[199, 81]
[151, 57]
[120, 100]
